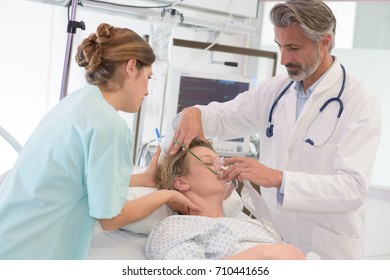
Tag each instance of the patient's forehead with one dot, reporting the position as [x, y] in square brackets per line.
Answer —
[203, 152]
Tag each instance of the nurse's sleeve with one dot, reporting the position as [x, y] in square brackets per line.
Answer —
[108, 170]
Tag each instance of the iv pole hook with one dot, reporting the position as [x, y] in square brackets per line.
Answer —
[71, 29]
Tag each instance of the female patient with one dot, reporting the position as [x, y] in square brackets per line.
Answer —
[206, 233]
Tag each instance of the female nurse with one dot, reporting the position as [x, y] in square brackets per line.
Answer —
[76, 166]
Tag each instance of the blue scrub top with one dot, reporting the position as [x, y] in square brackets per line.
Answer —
[74, 169]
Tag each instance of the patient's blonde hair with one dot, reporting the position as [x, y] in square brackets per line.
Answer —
[174, 166]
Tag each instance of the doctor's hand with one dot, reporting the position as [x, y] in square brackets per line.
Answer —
[243, 168]
[190, 127]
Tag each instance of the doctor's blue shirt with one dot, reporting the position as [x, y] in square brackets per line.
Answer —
[74, 169]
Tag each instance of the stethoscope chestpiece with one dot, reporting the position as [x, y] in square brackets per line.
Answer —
[270, 131]
[311, 142]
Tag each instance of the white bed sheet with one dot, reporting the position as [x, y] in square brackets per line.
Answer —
[117, 245]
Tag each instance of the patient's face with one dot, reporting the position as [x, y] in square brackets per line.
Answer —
[200, 178]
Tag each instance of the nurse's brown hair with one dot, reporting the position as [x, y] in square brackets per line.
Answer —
[104, 51]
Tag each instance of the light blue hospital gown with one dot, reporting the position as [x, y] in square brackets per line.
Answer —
[181, 237]
[74, 169]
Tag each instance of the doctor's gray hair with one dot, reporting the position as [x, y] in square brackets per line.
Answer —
[314, 17]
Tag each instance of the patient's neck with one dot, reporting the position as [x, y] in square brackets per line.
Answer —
[210, 207]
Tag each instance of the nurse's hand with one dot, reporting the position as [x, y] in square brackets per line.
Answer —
[243, 168]
[148, 178]
[181, 204]
[190, 127]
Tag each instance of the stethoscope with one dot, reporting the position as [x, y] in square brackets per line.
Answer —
[270, 129]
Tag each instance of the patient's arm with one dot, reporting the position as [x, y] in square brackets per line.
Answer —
[270, 252]
[137, 209]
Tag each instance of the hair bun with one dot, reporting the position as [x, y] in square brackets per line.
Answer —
[89, 53]
[102, 54]
[104, 33]
[81, 59]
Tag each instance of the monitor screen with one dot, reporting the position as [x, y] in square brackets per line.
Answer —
[195, 90]
[188, 88]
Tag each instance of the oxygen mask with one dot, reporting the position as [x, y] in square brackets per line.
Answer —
[220, 166]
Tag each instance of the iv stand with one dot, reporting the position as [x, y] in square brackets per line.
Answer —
[72, 27]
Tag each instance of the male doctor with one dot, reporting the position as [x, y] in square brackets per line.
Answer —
[319, 131]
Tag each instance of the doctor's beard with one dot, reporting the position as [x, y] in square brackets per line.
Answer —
[304, 72]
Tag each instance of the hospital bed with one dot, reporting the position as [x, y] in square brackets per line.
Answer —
[129, 243]
[117, 245]
[10, 139]
[13, 142]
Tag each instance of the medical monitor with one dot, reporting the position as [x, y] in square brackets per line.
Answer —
[188, 88]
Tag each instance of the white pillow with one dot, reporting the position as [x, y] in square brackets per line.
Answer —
[232, 206]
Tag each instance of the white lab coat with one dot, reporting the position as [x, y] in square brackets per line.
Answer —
[325, 187]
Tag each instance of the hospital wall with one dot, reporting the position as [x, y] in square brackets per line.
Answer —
[32, 56]
[371, 67]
